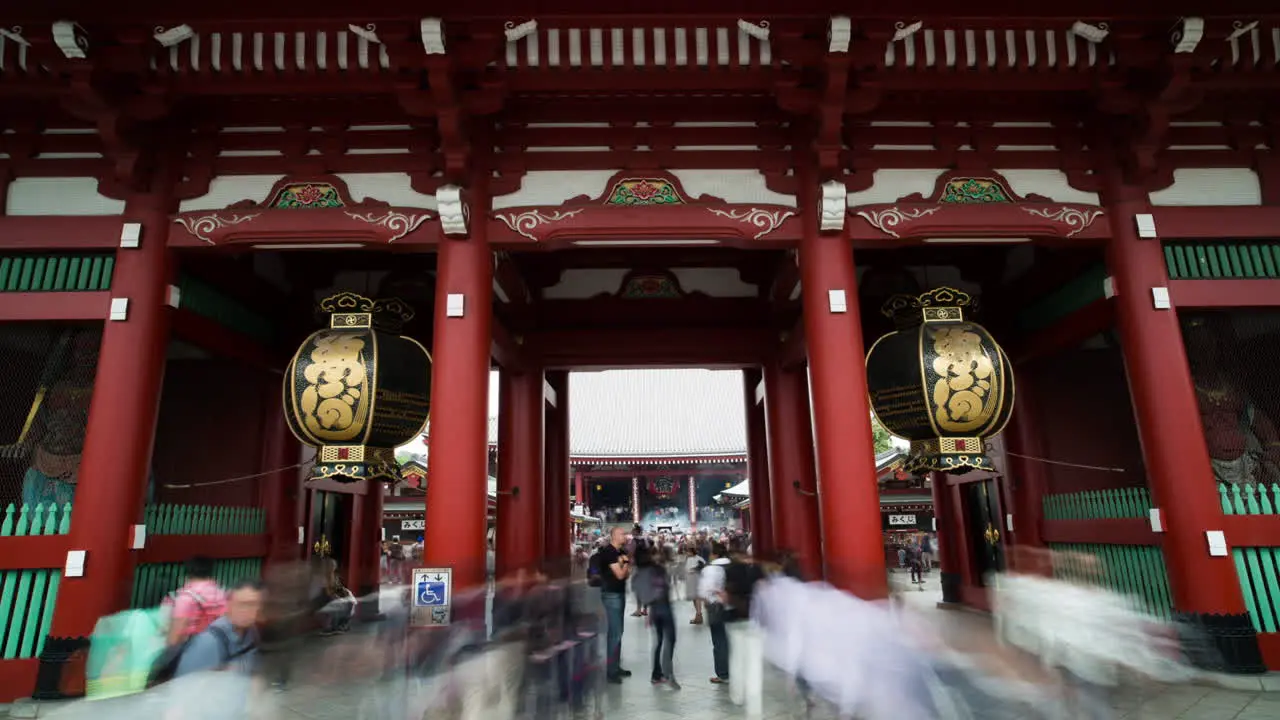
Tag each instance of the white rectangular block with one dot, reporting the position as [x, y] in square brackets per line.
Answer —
[837, 301]
[1146, 223]
[131, 235]
[1157, 520]
[302, 535]
[175, 296]
[119, 309]
[1217, 542]
[1160, 298]
[1108, 287]
[454, 305]
[75, 564]
[139, 537]
[1008, 522]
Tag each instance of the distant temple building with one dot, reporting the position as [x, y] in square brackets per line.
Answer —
[665, 449]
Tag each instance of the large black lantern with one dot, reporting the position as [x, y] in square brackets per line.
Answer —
[358, 390]
[940, 381]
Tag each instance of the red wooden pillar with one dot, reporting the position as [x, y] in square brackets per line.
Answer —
[366, 544]
[792, 483]
[519, 530]
[1029, 480]
[279, 491]
[580, 489]
[352, 566]
[1179, 473]
[950, 537]
[559, 530]
[849, 496]
[457, 488]
[762, 542]
[120, 432]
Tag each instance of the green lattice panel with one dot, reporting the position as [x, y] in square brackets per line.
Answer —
[27, 597]
[1136, 571]
[168, 519]
[1222, 260]
[153, 581]
[1112, 503]
[56, 273]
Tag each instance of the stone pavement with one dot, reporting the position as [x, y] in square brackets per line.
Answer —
[636, 699]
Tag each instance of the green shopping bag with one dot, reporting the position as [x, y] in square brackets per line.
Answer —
[123, 649]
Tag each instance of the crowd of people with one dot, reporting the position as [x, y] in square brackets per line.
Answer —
[545, 641]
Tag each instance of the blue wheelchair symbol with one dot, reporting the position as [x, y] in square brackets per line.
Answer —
[431, 593]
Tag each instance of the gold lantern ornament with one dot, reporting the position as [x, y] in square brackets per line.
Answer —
[357, 390]
[940, 381]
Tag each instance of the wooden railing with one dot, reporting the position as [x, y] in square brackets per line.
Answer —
[1113, 503]
[28, 594]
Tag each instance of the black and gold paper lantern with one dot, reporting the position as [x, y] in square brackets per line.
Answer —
[358, 390]
[940, 381]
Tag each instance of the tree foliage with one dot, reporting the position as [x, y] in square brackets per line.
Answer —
[880, 438]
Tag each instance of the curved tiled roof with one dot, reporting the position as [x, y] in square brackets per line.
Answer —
[656, 413]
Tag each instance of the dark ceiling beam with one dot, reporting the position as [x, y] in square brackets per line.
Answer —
[785, 280]
[610, 312]
[505, 351]
[508, 280]
[792, 350]
[657, 347]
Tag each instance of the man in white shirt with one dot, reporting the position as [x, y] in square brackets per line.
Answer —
[711, 590]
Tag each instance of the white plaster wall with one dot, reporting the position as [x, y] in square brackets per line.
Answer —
[1211, 186]
[228, 189]
[553, 187]
[577, 283]
[1050, 183]
[59, 196]
[716, 282]
[734, 186]
[889, 185]
[391, 188]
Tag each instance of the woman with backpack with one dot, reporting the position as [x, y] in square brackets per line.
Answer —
[652, 587]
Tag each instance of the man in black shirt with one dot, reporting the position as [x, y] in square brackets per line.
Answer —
[614, 568]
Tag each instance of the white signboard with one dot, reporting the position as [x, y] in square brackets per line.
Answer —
[413, 524]
[432, 597]
[902, 520]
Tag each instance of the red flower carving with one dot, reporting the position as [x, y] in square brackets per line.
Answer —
[645, 190]
[308, 194]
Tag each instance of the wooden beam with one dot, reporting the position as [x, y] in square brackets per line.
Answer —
[61, 232]
[505, 351]
[1209, 223]
[1115, 531]
[177, 548]
[20, 306]
[224, 342]
[1066, 333]
[1196, 294]
[793, 350]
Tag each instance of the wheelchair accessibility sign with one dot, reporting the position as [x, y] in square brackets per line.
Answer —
[432, 595]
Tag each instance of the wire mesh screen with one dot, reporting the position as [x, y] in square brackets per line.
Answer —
[49, 370]
[1232, 357]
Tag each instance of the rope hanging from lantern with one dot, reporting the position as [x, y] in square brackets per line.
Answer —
[1047, 461]
[238, 478]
